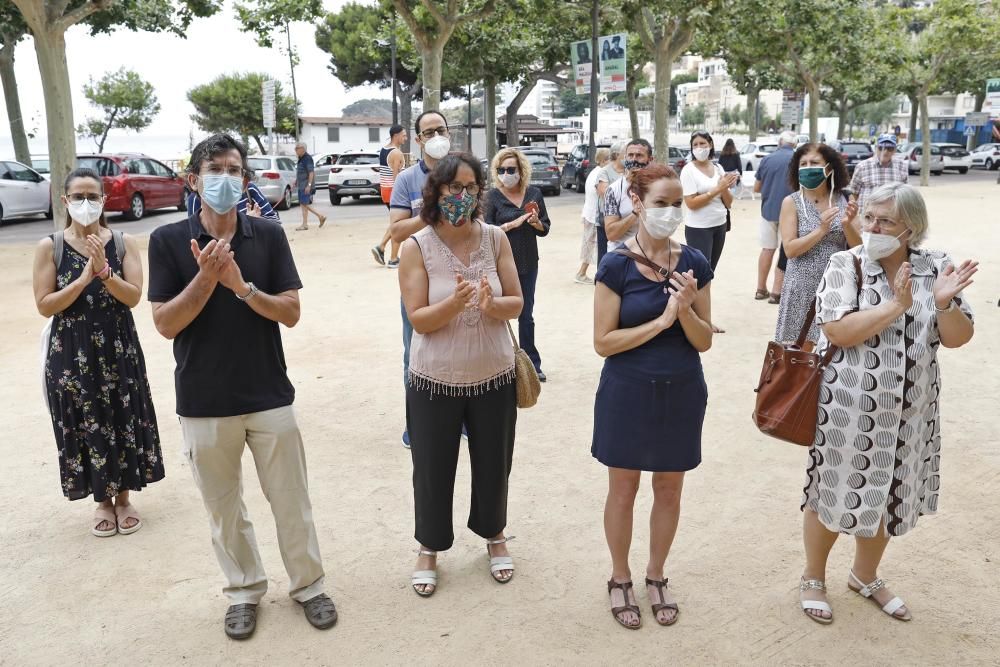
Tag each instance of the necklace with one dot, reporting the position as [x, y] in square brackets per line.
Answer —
[665, 278]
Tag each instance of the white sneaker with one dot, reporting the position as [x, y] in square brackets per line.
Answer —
[583, 279]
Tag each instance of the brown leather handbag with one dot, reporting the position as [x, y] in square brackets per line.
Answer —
[788, 391]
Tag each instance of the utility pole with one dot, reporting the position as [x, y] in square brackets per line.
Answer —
[468, 122]
[291, 65]
[595, 83]
[392, 47]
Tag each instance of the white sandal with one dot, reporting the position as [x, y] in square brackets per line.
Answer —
[424, 577]
[499, 564]
[817, 605]
[890, 607]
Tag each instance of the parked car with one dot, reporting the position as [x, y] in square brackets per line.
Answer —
[678, 156]
[752, 153]
[987, 156]
[40, 163]
[275, 176]
[852, 152]
[135, 183]
[323, 164]
[577, 167]
[354, 175]
[23, 192]
[955, 157]
[913, 152]
[544, 171]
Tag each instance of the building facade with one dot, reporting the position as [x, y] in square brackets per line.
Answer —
[324, 135]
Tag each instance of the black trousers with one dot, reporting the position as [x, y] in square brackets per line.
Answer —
[709, 241]
[435, 425]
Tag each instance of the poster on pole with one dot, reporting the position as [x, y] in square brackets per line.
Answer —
[791, 108]
[583, 64]
[613, 62]
[267, 103]
[992, 96]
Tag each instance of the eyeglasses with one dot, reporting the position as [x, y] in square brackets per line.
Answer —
[430, 132]
[506, 170]
[232, 171]
[869, 221]
[76, 198]
[458, 188]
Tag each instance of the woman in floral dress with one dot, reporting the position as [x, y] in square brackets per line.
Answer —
[874, 466]
[95, 375]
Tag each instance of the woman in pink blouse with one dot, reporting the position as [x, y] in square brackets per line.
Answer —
[459, 285]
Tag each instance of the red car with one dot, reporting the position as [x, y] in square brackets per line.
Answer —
[136, 183]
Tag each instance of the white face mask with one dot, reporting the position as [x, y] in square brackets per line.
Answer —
[879, 246]
[701, 154]
[437, 147]
[661, 223]
[510, 180]
[85, 212]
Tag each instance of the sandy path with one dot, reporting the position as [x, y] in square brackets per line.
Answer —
[156, 596]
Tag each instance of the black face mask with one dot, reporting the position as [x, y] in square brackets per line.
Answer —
[634, 164]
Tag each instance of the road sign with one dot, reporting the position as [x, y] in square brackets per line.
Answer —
[267, 103]
[993, 94]
[970, 131]
[977, 119]
[791, 107]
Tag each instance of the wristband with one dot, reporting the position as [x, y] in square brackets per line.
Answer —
[105, 273]
[951, 307]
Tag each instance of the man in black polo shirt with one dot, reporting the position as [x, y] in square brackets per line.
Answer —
[219, 283]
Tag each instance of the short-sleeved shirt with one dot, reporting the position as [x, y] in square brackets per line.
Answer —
[774, 187]
[871, 173]
[618, 201]
[694, 182]
[643, 300]
[229, 359]
[408, 190]
[303, 168]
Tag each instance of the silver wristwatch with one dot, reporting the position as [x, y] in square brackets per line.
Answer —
[253, 292]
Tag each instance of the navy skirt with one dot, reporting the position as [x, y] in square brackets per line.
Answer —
[649, 424]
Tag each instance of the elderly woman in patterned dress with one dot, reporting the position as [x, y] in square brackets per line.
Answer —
[874, 465]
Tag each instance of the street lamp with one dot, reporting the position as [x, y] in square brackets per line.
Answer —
[392, 47]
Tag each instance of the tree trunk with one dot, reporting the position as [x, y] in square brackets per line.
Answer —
[406, 109]
[753, 100]
[490, 115]
[661, 104]
[50, 48]
[514, 107]
[914, 110]
[633, 113]
[980, 99]
[12, 98]
[813, 89]
[595, 82]
[431, 74]
[842, 117]
[107, 128]
[925, 142]
[260, 145]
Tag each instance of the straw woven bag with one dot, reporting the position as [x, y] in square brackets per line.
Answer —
[525, 376]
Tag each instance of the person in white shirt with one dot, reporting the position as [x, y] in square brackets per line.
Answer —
[619, 218]
[588, 245]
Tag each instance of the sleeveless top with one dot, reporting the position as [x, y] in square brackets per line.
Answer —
[473, 353]
[385, 177]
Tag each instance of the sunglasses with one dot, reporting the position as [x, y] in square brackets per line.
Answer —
[506, 170]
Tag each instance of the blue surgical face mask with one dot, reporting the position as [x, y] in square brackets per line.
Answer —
[221, 193]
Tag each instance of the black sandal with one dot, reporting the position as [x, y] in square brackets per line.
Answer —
[615, 611]
[241, 620]
[661, 586]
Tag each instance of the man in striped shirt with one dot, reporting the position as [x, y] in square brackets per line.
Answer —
[252, 203]
[878, 170]
[391, 161]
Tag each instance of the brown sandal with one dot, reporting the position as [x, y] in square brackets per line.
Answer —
[615, 611]
[761, 294]
[661, 586]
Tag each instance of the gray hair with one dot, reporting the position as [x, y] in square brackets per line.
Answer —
[301, 144]
[788, 138]
[617, 149]
[907, 206]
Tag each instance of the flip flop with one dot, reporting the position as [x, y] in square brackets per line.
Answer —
[102, 514]
[127, 512]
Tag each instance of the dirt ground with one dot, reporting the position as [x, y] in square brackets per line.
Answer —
[155, 596]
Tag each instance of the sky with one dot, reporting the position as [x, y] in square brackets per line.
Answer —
[173, 66]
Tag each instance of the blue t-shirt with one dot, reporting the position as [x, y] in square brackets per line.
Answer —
[642, 300]
[408, 190]
[773, 175]
[303, 168]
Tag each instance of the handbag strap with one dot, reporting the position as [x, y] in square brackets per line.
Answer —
[496, 258]
[643, 260]
[832, 349]
[513, 339]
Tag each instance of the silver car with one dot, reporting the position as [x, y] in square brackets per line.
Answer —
[913, 154]
[544, 171]
[275, 176]
[23, 192]
[323, 163]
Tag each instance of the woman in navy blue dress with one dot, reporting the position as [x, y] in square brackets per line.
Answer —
[650, 324]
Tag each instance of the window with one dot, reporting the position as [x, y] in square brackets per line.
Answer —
[358, 158]
[373, 134]
[286, 164]
[333, 134]
[19, 172]
[158, 169]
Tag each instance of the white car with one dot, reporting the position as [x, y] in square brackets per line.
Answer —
[987, 155]
[275, 176]
[955, 157]
[23, 192]
[354, 175]
[752, 153]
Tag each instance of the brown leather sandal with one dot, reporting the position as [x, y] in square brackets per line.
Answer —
[615, 611]
[661, 586]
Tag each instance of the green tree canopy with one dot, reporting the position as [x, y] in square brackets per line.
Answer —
[233, 103]
[126, 101]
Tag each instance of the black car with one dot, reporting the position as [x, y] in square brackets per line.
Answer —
[577, 167]
[852, 152]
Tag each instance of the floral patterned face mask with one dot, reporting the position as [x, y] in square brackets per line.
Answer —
[457, 208]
